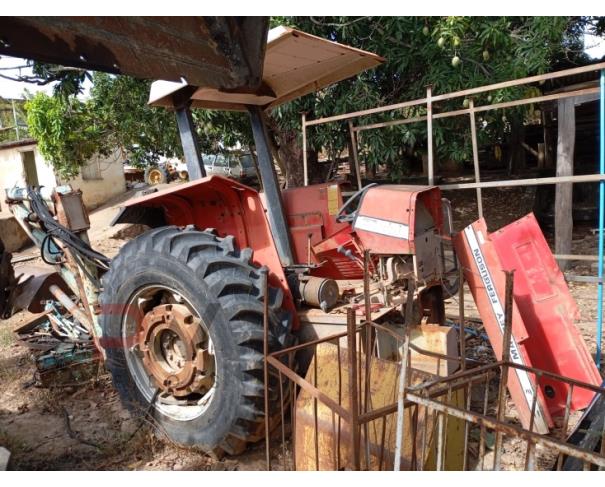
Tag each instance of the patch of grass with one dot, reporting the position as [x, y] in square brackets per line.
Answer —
[12, 444]
[7, 338]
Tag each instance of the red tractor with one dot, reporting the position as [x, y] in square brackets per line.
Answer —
[178, 313]
[182, 305]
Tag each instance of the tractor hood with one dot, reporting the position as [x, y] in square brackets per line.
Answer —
[296, 64]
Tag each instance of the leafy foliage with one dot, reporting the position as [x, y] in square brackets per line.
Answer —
[67, 133]
[448, 53]
[7, 120]
[143, 133]
[69, 80]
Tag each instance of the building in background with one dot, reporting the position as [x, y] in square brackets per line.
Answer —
[21, 164]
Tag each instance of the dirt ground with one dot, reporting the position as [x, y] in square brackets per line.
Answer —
[86, 427]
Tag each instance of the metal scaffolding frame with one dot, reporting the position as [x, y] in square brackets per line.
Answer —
[360, 435]
[429, 102]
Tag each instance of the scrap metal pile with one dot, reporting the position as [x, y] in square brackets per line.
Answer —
[435, 409]
[63, 350]
[184, 309]
[59, 334]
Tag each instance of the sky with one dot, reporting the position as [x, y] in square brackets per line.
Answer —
[594, 47]
[14, 89]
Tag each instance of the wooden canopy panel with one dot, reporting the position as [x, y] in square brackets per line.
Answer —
[296, 63]
[221, 52]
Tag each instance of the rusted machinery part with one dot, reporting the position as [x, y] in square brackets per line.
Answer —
[71, 307]
[32, 286]
[319, 291]
[176, 350]
[156, 175]
[7, 282]
[219, 52]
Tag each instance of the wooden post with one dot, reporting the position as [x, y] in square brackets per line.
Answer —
[541, 155]
[564, 192]
[353, 136]
[304, 150]
[429, 132]
[475, 155]
[549, 138]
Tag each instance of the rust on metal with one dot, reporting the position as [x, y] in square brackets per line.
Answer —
[175, 350]
[219, 52]
[32, 289]
[71, 307]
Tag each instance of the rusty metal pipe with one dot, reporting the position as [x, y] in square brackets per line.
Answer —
[461, 335]
[294, 348]
[283, 420]
[409, 311]
[506, 340]
[353, 390]
[560, 378]
[565, 423]
[440, 442]
[72, 307]
[368, 333]
[509, 429]
[307, 386]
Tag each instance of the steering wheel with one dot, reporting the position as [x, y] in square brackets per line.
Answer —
[345, 214]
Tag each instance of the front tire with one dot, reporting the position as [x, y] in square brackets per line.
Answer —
[218, 284]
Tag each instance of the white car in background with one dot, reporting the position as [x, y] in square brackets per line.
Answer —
[238, 166]
[235, 165]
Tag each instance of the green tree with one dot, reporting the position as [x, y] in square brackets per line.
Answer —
[116, 116]
[448, 53]
[66, 131]
[143, 133]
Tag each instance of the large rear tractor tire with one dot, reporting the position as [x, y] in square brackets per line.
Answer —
[182, 327]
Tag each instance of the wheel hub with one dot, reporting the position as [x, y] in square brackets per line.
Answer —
[175, 350]
[155, 176]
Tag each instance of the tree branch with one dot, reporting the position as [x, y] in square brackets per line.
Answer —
[330, 24]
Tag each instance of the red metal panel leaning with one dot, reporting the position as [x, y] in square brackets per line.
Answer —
[548, 310]
[486, 280]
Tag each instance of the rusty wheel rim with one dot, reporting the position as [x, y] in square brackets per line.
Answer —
[169, 352]
[155, 176]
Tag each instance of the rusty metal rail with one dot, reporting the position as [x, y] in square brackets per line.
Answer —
[425, 422]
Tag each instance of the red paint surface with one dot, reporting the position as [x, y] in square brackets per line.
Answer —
[397, 203]
[232, 209]
[548, 311]
[483, 297]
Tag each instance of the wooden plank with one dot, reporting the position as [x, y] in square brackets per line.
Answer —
[589, 258]
[582, 178]
[361, 113]
[429, 132]
[483, 108]
[353, 136]
[472, 91]
[304, 151]
[521, 81]
[475, 156]
[564, 191]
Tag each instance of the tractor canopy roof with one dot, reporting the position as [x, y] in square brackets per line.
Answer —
[296, 63]
[222, 52]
